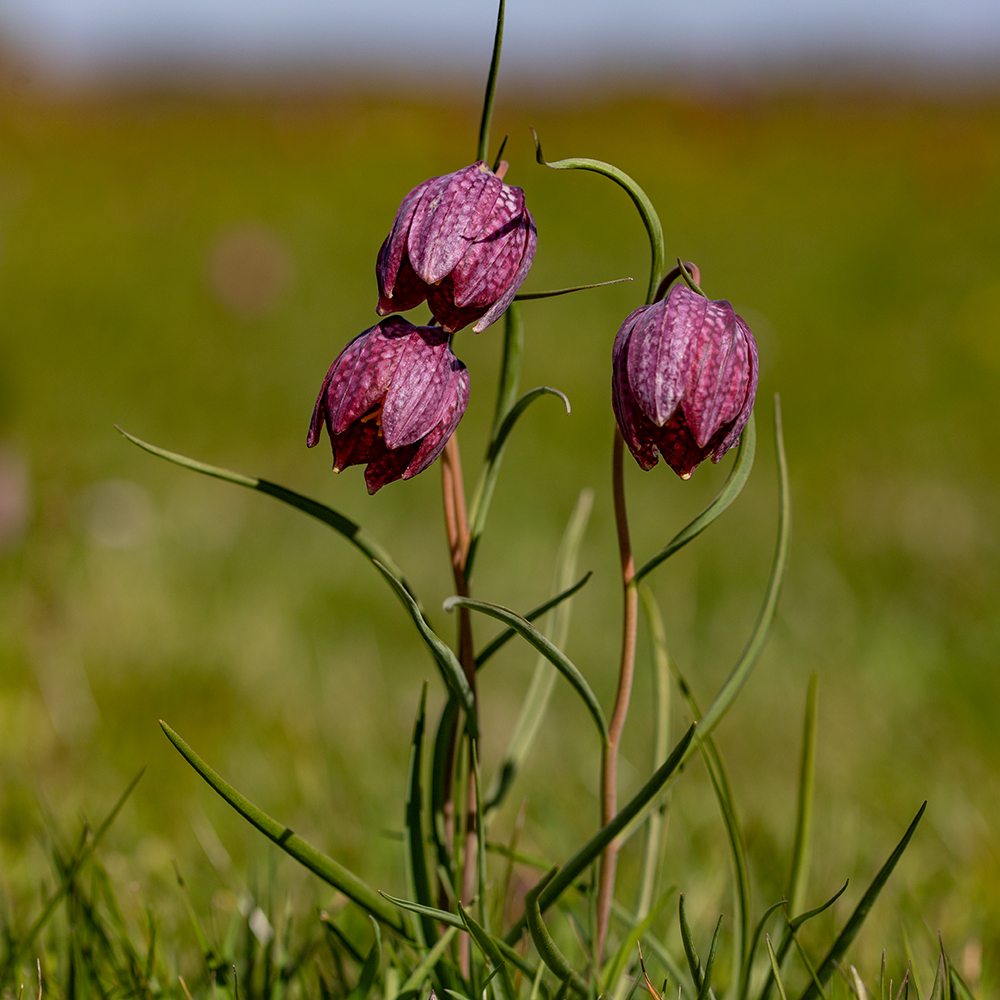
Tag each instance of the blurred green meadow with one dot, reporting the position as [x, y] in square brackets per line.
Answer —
[187, 267]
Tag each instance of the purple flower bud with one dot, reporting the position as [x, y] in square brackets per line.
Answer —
[392, 399]
[464, 242]
[684, 380]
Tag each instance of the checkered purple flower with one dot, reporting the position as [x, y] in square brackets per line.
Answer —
[684, 380]
[392, 399]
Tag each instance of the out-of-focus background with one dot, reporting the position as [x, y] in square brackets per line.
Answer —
[191, 200]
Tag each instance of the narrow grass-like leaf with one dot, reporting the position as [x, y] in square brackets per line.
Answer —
[526, 296]
[706, 984]
[798, 876]
[734, 835]
[488, 946]
[19, 950]
[690, 950]
[543, 678]
[744, 988]
[416, 978]
[370, 969]
[617, 965]
[857, 918]
[501, 640]
[441, 764]
[734, 484]
[586, 855]
[415, 855]
[731, 688]
[486, 484]
[791, 926]
[940, 980]
[447, 663]
[656, 824]
[211, 957]
[352, 531]
[775, 971]
[320, 864]
[456, 922]
[491, 87]
[510, 365]
[554, 655]
[958, 986]
[547, 950]
[639, 198]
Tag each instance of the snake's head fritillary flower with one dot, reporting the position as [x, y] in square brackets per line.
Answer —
[391, 400]
[464, 242]
[684, 380]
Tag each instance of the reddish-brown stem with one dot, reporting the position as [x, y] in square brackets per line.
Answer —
[609, 769]
[457, 526]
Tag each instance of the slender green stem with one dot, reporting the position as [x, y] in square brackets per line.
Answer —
[491, 88]
[639, 198]
[626, 672]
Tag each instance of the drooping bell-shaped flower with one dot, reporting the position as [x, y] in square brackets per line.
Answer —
[392, 399]
[464, 242]
[684, 380]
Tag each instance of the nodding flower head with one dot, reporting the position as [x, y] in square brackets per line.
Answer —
[391, 400]
[464, 242]
[684, 380]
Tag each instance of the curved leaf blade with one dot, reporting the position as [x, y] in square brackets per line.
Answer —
[731, 489]
[495, 645]
[741, 672]
[352, 531]
[370, 969]
[416, 856]
[590, 851]
[555, 656]
[451, 670]
[857, 918]
[320, 864]
[547, 949]
[639, 198]
[485, 486]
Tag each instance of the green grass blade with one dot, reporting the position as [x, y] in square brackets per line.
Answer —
[617, 965]
[552, 653]
[755, 941]
[352, 531]
[441, 764]
[788, 935]
[552, 293]
[370, 969]
[418, 878]
[510, 365]
[491, 87]
[727, 695]
[488, 946]
[586, 855]
[547, 950]
[495, 645]
[940, 979]
[734, 836]
[959, 988]
[706, 984]
[690, 951]
[486, 484]
[536, 699]
[320, 864]
[416, 978]
[775, 971]
[639, 198]
[19, 950]
[656, 824]
[857, 918]
[798, 876]
[447, 663]
[734, 484]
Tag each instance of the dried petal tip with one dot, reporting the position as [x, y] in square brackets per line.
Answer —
[464, 242]
[684, 378]
[391, 400]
